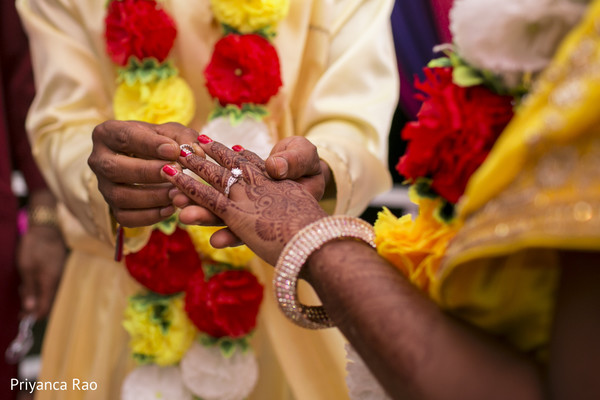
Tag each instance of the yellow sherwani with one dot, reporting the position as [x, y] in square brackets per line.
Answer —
[340, 90]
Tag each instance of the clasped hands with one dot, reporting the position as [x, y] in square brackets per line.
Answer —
[273, 199]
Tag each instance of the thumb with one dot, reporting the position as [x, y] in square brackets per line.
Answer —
[293, 164]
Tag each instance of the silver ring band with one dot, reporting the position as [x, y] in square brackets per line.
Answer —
[236, 173]
[187, 148]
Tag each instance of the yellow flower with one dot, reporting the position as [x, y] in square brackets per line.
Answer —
[415, 247]
[237, 256]
[160, 330]
[157, 102]
[250, 15]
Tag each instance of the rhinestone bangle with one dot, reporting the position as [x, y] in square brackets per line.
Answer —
[294, 256]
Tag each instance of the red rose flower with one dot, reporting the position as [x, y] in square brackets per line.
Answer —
[456, 128]
[166, 264]
[226, 305]
[138, 28]
[243, 69]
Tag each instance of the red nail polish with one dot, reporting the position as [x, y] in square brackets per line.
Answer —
[170, 170]
[204, 139]
[184, 152]
[237, 148]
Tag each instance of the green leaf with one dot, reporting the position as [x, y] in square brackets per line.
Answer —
[466, 76]
[446, 212]
[150, 297]
[143, 358]
[236, 114]
[212, 268]
[268, 32]
[441, 62]
[145, 71]
[226, 345]
[168, 225]
[228, 29]
[422, 187]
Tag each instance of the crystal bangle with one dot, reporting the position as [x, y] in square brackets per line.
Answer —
[294, 256]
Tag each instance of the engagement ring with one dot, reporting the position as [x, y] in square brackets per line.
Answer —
[236, 173]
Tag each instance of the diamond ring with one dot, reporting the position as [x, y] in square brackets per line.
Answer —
[236, 173]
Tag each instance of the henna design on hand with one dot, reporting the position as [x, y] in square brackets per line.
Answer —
[282, 209]
[263, 212]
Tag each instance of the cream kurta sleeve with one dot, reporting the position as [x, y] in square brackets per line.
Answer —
[340, 90]
[349, 110]
[73, 97]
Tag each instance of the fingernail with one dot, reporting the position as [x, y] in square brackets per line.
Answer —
[204, 139]
[167, 211]
[186, 150]
[166, 150]
[172, 193]
[237, 148]
[169, 170]
[281, 166]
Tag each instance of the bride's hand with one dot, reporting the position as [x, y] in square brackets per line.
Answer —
[262, 212]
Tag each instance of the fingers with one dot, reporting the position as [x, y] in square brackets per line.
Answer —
[250, 156]
[138, 205]
[137, 196]
[179, 133]
[293, 158]
[196, 215]
[204, 195]
[229, 159]
[224, 238]
[136, 138]
[212, 173]
[134, 218]
[120, 168]
[225, 156]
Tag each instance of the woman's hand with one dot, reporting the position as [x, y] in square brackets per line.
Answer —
[293, 158]
[263, 212]
[126, 158]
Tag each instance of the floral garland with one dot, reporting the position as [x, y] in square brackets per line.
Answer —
[189, 330]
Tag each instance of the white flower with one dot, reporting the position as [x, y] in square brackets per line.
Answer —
[251, 134]
[151, 382]
[362, 385]
[211, 376]
[512, 37]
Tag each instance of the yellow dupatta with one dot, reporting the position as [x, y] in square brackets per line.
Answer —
[537, 192]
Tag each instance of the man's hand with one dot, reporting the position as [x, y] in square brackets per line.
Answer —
[127, 157]
[297, 159]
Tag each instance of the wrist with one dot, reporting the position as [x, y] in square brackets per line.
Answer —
[42, 216]
[294, 256]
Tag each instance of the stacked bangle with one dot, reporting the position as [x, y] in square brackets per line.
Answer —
[42, 216]
[294, 256]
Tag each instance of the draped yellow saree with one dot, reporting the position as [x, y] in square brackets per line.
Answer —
[538, 192]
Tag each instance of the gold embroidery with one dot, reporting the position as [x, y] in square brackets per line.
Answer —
[556, 196]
